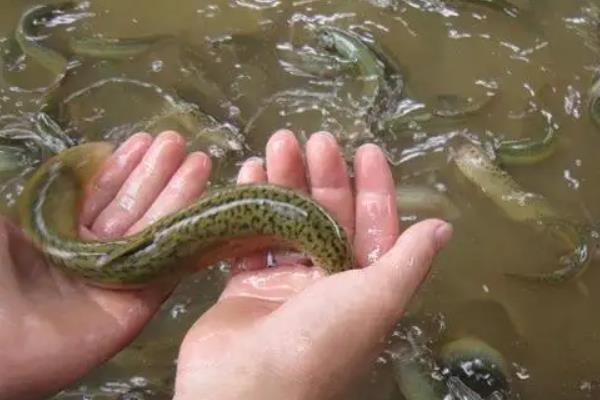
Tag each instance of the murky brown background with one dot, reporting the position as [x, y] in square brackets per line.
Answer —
[549, 335]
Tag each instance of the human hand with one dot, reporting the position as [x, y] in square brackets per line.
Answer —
[290, 332]
[55, 328]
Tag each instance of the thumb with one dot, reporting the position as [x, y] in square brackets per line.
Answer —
[344, 320]
[400, 272]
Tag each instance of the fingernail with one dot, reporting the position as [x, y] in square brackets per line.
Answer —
[283, 132]
[170, 136]
[139, 136]
[370, 158]
[326, 135]
[280, 140]
[256, 160]
[203, 158]
[443, 233]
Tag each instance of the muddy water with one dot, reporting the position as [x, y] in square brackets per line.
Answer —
[237, 68]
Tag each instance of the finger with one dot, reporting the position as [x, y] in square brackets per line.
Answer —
[285, 166]
[112, 175]
[142, 187]
[252, 171]
[376, 214]
[329, 180]
[402, 269]
[183, 189]
[366, 302]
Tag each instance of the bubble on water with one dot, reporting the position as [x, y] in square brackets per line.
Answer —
[383, 3]
[573, 103]
[157, 65]
[223, 267]
[439, 375]
[585, 386]
[234, 111]
[258, 4]
[573, 182]
[216, 151]
[440, 323]
[115, 387]
[521, 372]
[178, 310]
[381, 361]
[139, 381]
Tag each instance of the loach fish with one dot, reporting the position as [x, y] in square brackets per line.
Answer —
[203, 128]
[414, 375]
[529, 151]
[222, 224]
[594, 102]
[522, 206]
[350, 47]
[27, 40]
[427, 200]
[113, 48]
[445, 108]
[305, 62]
[476, 370]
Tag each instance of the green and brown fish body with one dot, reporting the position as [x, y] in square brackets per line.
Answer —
[500, 187]
[476, 370]
[223, 224]
[351, 48]
[113, 48]
[25, 36]
[522, 206]
[594, 102]
[528, 151]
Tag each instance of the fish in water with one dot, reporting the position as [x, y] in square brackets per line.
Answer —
[522, 206]
[28, 40]
[113, 48]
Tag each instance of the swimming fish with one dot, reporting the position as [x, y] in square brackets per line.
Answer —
[522, 206]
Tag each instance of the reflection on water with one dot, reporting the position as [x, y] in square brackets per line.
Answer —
[419, 77]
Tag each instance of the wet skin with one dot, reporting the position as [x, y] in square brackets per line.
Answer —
[145, 180]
